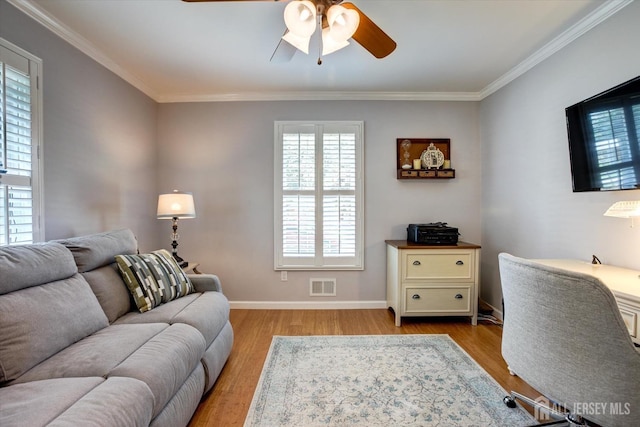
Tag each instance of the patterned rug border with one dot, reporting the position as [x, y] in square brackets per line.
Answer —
[257, 407]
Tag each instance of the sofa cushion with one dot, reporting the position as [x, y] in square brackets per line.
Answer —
[96, 355]
[31, 265]
[113, 295]
[97, 250]
[37, 322]
[153, 278]
[207, 312]
[161, 355]
[217, 354]
[90, 401]
[94, 254]
[183, 404]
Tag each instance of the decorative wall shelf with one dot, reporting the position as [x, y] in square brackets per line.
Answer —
[434, 164]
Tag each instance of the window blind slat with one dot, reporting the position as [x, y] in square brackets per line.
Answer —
[298, 162]
[339, 220]
[298, 225]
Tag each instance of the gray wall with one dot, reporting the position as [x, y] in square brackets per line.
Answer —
[109, 150]
[529, 208]
[99, 139]
[223, 153]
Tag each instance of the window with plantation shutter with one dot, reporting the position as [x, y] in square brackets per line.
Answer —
[318, 195]
[20, 195]
[614, 130]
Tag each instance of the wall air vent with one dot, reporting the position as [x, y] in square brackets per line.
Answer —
[322, 287]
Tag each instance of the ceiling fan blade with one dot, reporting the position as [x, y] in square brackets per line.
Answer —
[283, 52]
[370, 36]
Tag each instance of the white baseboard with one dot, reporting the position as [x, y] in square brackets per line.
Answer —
[496, 313]
[307, 305]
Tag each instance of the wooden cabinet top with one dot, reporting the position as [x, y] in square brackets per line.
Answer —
[404, 244]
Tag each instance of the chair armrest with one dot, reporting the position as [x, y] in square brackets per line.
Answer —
[205, 282]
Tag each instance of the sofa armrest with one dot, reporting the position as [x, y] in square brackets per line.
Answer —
[205, 282]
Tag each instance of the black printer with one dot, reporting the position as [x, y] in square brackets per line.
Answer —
[435, 233]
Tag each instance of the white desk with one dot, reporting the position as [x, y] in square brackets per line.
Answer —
[624, 283]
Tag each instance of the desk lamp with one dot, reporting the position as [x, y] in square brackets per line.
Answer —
[174, 206]
[624, 209]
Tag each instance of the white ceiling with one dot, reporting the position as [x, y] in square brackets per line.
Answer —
[447, 49]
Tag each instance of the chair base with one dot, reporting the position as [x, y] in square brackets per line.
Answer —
[544, 410]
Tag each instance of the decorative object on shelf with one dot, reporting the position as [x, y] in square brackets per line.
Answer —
[431, 158]
[406, 145]
[174, 206]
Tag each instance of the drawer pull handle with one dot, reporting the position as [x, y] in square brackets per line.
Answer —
[458, 296]
[416, 262]
[459, 262]
[415, 296]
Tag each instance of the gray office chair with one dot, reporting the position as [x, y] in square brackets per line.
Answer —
[564, 336]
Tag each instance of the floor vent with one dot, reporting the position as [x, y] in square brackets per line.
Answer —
[322, 287]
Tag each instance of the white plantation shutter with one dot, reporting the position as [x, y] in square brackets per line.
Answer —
[318, 195]
[19, 138]
[339, 195]
[298, 189]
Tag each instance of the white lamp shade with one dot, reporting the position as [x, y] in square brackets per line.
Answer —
[300, 18]
[329, 44]
[343, 22]
[176, 205]
[299, 42]
[624, 209]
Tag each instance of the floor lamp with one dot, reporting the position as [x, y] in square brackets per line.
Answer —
[175, 206]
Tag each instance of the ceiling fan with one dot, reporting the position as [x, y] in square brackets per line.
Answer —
[337, 21]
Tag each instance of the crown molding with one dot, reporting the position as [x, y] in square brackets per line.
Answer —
[600, 14]
[323, 96]
[36, 13]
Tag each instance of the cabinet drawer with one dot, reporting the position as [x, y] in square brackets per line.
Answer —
[630, 317]
[449, 265]
[434, 300]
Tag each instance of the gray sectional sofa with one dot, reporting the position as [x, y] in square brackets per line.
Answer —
[76, 351]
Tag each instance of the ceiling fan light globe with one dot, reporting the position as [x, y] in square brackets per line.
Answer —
[343, 22]
[299, 42]
[300, 17]
[329, 44]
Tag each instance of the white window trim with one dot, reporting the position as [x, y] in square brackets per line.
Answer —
[37, 172]
[318, 262]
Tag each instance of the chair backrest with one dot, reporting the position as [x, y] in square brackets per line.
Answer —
[564, 335]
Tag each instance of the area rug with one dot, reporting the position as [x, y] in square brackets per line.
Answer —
[377, 380]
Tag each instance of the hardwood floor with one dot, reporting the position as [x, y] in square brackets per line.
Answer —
[227, 404]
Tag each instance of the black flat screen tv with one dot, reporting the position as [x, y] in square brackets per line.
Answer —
[604, 139]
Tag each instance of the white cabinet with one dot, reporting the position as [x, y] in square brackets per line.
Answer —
[624, 284]
[426, 280]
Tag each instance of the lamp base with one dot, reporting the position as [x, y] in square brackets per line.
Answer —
[182, 263]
